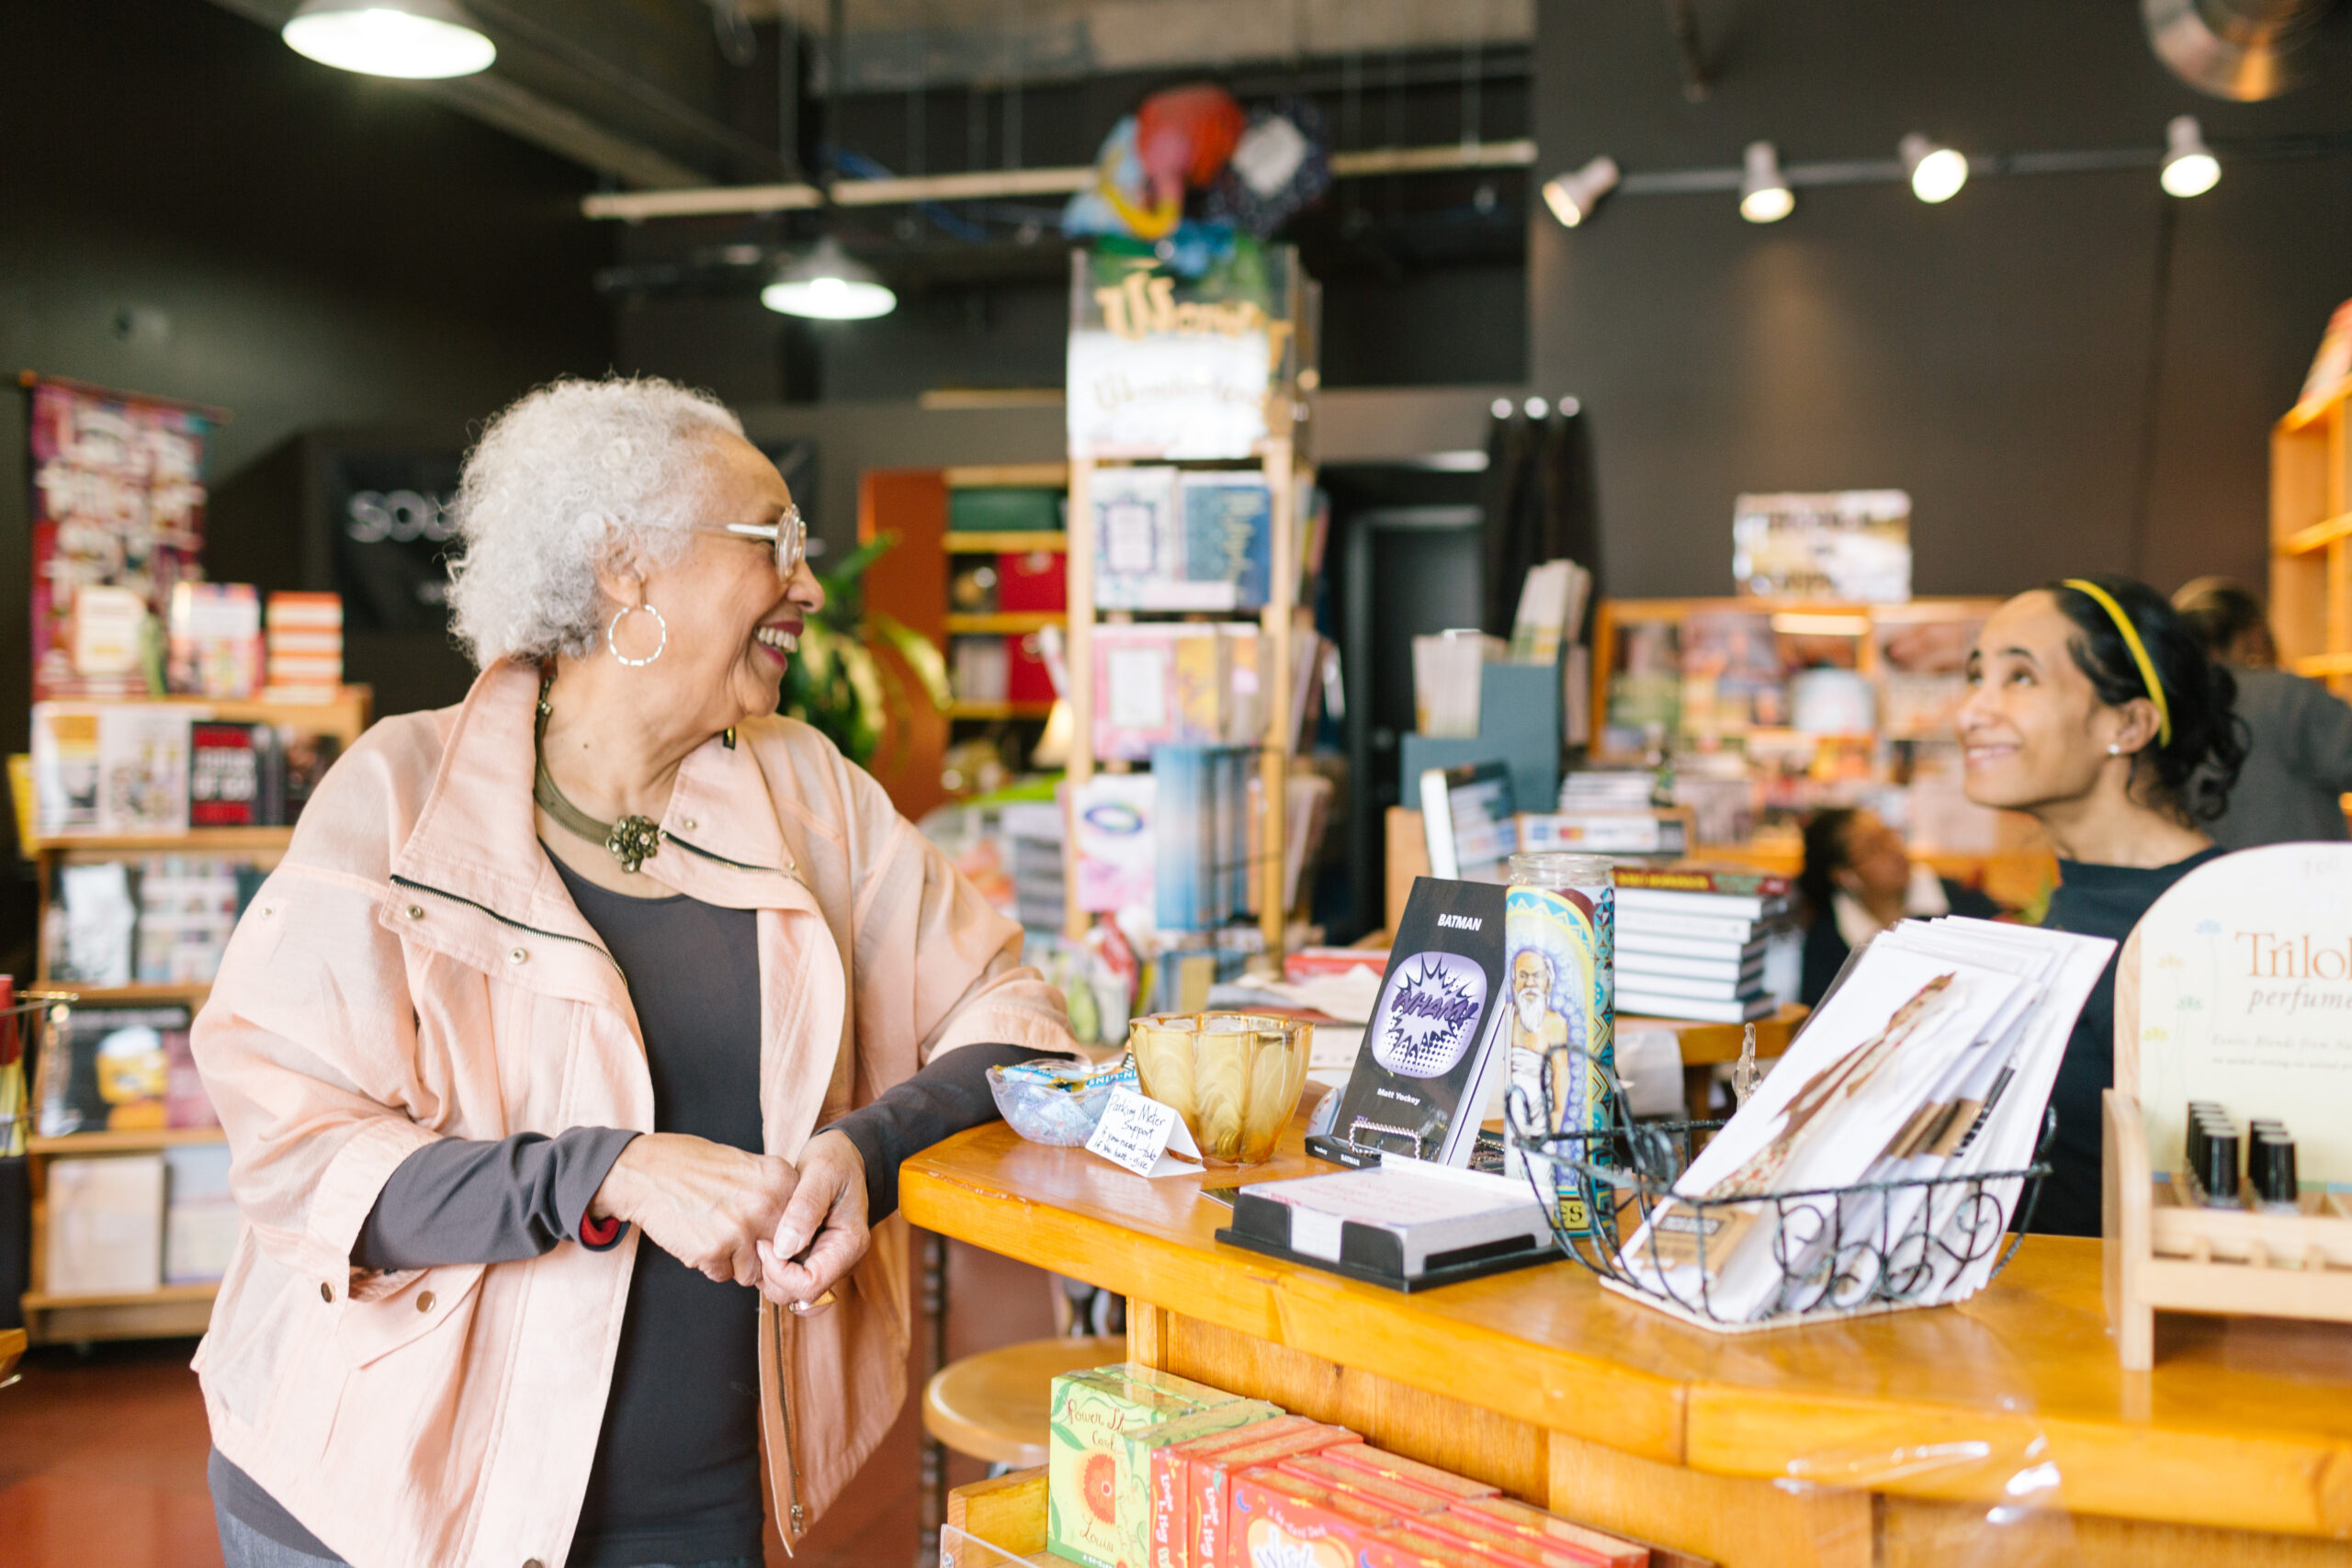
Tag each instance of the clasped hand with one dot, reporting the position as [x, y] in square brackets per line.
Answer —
[788, 1231]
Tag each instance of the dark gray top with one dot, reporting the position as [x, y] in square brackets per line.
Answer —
[2299, 762]
[676, 1476]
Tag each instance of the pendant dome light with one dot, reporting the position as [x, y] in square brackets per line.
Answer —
[2191, 168]
[416, 39]
[830, 285]
[1764, 194]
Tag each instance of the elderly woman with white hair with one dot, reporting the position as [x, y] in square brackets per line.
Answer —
[567, 1056]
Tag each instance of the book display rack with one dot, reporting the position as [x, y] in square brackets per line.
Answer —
[95, 1157]
[1214, 376]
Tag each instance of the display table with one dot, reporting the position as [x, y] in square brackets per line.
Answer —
[1884, 1440]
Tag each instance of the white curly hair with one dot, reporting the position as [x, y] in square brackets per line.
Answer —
[569, 476]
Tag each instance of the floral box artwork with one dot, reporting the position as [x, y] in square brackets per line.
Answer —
[1105, 1425]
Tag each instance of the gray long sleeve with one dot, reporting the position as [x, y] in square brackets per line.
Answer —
[948, 1095]
[488, 1200]
[481, 1200]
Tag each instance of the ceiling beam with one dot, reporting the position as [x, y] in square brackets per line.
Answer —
[991, 184]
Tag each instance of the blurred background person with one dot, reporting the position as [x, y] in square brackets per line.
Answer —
[1858, 880]
[2299, 754]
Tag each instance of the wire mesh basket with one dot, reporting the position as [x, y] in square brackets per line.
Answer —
[1841, 1252]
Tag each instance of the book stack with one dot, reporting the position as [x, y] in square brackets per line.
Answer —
[305, 648]
[157, 770]
[1932, 1057]
[1717, 946]
[214, 639]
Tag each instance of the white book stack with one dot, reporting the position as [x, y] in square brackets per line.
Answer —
[1715, 946]
[1933, 1057]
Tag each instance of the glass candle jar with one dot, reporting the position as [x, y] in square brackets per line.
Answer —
[1559, 937]
[1234, 1077]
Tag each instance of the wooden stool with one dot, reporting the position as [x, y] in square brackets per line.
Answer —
[993, 1406]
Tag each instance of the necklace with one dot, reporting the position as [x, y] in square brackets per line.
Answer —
[632, 841]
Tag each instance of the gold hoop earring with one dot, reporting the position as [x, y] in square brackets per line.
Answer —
[615, 626]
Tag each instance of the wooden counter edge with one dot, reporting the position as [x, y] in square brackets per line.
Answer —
[2287, 1484]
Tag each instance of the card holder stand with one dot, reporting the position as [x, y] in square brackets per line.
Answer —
[1842, 1251]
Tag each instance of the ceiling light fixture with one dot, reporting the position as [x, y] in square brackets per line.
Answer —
[2191, 168]
[1936, 172]
[1572, 196]
[830, 285]
[416, 39]
[1764, 196]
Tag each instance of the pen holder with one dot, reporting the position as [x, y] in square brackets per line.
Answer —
[1234, 1077]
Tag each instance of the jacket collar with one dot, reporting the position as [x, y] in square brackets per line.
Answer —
[477, 836]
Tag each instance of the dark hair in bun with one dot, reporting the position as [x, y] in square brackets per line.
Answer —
[2193, 771]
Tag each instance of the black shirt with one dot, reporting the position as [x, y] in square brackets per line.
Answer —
[2093, 900]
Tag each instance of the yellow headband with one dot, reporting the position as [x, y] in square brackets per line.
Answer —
[2106, 600]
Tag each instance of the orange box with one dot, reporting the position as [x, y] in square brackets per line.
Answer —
[1401, 1500]
[1172, 1489]
[1493, 1519]
[1411, 1472]
[1279, 1521]
[1209, 1482]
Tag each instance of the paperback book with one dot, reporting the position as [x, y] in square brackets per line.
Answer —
[1435, 1041]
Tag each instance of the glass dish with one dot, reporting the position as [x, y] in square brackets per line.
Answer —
[1058, 1103]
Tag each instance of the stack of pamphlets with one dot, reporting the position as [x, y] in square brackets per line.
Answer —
[1933, 1056]
[1711, 945]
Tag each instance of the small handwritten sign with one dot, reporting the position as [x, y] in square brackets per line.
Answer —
[1137, 1133]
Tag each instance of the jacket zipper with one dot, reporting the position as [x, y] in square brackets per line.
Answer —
[783, 1406]
[787, 869]
[415, 887]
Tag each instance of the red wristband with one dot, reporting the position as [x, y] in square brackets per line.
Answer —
[598, 1234]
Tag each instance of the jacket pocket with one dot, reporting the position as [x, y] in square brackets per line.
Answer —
[375, 1326]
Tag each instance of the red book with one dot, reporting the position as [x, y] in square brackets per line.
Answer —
[1033, 582]
[223, 775]
[1701, 879]
[1026, 679]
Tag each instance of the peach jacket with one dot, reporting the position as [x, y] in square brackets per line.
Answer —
[414, 970]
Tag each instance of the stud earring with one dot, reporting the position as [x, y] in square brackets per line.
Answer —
[2115, 748]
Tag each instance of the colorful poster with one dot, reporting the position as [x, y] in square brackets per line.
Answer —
[117, 501]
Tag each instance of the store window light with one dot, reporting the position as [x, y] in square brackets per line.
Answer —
[416, 39]
[1573, 195]
[1936, 172]
[1764, 196]
[2191, 168]
[830, 285]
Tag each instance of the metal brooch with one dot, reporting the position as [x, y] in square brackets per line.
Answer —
[633, 841]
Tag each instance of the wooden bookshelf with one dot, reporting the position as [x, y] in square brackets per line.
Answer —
[2311, 541]
[1008, 623]
[172, 1310]
[1011, 542]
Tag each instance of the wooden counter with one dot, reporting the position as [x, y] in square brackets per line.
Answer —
[1911, 1425]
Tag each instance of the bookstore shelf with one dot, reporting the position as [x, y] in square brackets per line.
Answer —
[39, 1300]
[1003, 622]
[2311, 541]
[1000, 710]
[1007, 476]
[171, 1309]
[1012, 541]
[124, 1141]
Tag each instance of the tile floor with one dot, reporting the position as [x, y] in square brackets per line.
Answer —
[102, 1454]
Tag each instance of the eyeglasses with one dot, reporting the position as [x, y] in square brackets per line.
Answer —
[790, 533]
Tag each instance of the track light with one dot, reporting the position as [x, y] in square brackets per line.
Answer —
[1936, 172]
[1764, 196]
[2191, 168]
[830, 285]
[1572, 196]
[416, 39]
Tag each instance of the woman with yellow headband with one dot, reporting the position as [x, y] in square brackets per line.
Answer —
[2093, 708]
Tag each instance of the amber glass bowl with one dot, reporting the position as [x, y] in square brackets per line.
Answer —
[1234, 1077]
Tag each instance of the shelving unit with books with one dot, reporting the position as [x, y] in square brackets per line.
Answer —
[2311, 536]
[117, 1116]
[1173, 383]
[975, 569]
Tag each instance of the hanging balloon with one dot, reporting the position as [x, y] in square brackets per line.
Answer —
[1281, 165]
